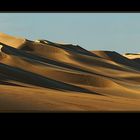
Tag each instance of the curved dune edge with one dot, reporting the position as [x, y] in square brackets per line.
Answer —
[133, 57]
[46, 76]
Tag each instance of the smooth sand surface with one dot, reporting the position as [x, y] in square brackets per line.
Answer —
[42, 76]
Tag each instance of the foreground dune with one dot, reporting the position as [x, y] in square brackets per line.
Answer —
[38, 76]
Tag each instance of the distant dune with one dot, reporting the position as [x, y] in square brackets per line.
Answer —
[133, 57]
[42, 76]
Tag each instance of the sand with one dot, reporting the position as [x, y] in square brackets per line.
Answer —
[43, 76]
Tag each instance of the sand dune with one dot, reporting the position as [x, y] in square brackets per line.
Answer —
[133, 57]
[117, 58]
[45, 76]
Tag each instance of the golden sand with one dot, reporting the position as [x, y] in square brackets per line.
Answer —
[38, 76]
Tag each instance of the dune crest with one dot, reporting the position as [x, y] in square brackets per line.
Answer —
[42, 75]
